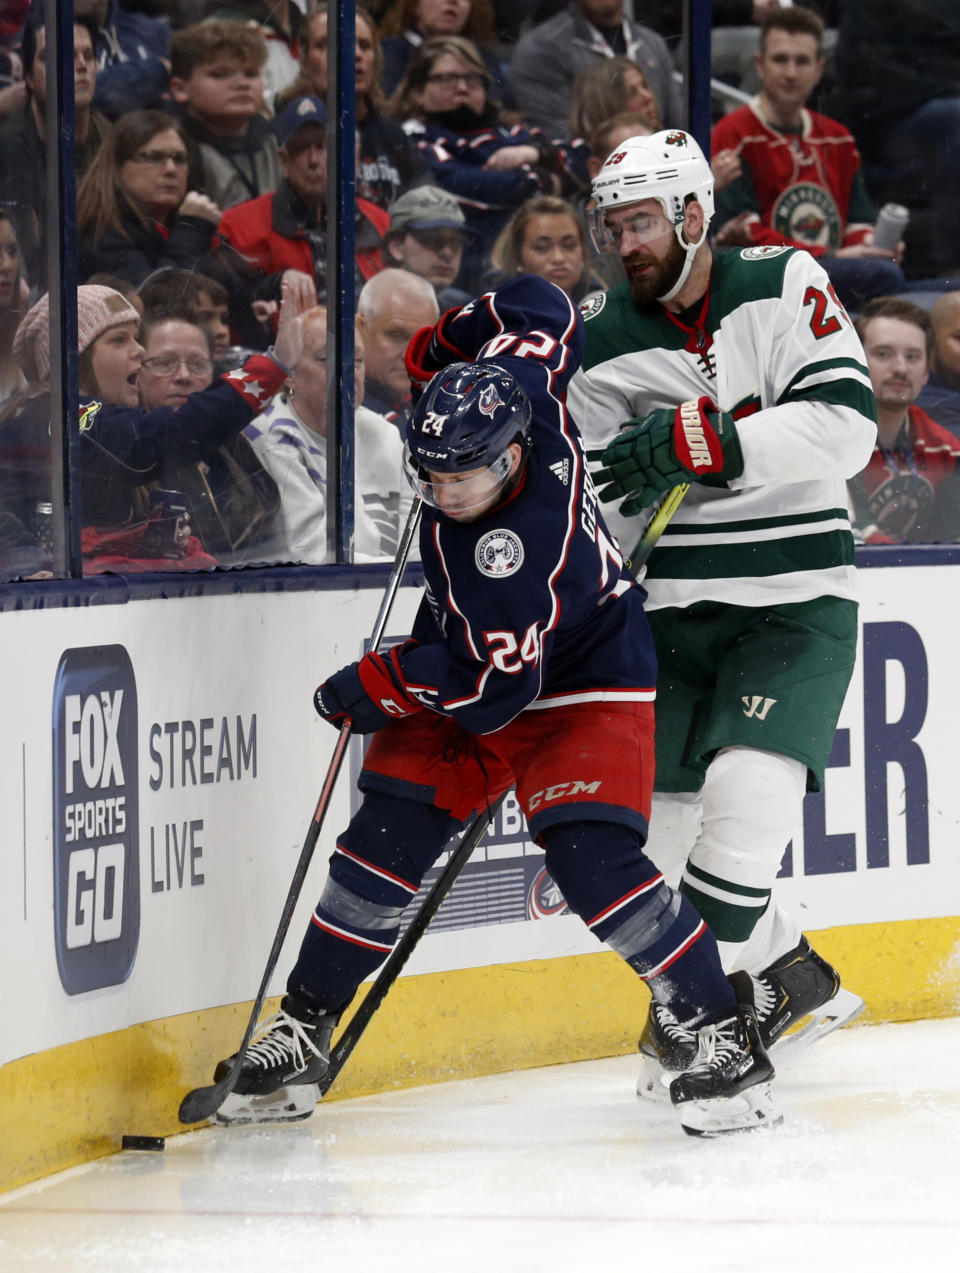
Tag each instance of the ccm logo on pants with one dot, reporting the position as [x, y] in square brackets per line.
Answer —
[574, 788]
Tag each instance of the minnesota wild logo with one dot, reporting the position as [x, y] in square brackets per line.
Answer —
[807, 213]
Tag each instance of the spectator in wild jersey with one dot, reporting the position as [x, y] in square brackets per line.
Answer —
[800, 179]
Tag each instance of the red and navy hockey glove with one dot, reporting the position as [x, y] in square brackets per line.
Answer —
[691, 443]
[372, 692]
[429, 350]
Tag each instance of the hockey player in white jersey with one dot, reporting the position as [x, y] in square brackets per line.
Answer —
[741, 375]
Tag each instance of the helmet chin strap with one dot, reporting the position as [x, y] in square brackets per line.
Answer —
[690, 251]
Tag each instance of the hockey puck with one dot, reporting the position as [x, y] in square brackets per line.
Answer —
[154, 1144]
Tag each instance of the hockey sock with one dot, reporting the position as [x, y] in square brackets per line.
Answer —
[775, 934]
[752, 806]
[375, 872]
[607, 879]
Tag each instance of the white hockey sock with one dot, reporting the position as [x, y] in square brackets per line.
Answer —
[776, 932]
[752, 807]
[674, 827]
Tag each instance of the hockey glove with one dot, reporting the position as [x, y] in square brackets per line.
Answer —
[371, 692]
[692, 443]
[427, 352]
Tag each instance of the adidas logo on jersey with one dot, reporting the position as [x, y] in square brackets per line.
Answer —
[561, 469]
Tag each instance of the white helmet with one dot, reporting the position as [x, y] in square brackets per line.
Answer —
[669, 167]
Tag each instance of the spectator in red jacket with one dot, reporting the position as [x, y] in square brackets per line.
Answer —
[286, 230]
[910, 490]
[800, 181]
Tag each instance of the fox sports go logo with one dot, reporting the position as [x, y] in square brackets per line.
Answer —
[96, 871]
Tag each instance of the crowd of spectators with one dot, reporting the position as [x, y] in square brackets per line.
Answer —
[200, 134]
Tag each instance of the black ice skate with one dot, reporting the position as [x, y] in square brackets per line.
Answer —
[799, 999]
[278, 1077]
[728, 1086]
[666, 1048]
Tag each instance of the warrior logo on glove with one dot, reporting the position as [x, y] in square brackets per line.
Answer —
[668, 448]
[693, 445]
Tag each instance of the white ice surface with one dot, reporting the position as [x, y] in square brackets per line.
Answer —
[542, 1171]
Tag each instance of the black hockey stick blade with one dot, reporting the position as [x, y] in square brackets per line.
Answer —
[405, 946]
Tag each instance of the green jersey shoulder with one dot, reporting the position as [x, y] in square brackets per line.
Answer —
[614, 322]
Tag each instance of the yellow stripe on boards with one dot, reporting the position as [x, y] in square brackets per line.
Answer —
[73, 1103]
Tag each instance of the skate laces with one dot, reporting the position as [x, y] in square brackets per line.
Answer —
[668, 1024]
[765, 998]
[280, 1038]
[716, 1045]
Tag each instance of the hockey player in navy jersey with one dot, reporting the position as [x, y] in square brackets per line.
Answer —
[531, 664]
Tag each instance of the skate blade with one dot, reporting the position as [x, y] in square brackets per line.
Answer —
[286, 1105]
[653, 1081]
[751, 1110]
[843, 1008]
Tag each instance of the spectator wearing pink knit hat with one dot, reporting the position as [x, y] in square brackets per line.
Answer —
[123, 446]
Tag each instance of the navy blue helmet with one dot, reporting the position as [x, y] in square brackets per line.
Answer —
[469, 415]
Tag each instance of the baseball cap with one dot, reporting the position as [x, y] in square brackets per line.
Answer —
[302, 110]
[426, 208]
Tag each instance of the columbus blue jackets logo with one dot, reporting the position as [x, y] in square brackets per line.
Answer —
[544, 898]
[489, 400]
[499, 553]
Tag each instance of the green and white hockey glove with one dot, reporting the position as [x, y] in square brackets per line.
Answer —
[691, 443]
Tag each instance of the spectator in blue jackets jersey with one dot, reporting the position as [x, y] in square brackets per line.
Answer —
[444, 103]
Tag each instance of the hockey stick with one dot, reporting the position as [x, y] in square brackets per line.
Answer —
[201, 1102]
[404, 948]
[656, 526]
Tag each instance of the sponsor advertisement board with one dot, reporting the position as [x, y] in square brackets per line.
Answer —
[161, 762]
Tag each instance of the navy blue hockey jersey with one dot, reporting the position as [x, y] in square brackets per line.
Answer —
[529, 606]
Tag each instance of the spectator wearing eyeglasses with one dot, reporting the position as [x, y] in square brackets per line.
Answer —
[177, 361]
[426, 236]
[408, 23]
[444, 103]
[125, 447]
[135, 213]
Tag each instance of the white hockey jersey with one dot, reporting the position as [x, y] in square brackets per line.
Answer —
[771, 344]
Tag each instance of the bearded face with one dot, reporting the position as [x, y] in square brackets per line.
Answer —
[652, 274]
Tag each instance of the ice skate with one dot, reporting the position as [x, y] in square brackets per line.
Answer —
[279, 1074]
[728, 1086]
[666, 1048]
[799, 999]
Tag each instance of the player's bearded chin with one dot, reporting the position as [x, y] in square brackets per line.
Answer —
[659, 278]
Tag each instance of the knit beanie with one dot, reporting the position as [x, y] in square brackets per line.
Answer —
[98, 309]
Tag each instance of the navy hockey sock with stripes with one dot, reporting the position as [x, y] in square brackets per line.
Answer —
[375, 873]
